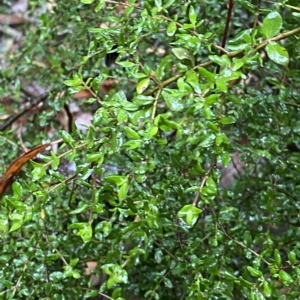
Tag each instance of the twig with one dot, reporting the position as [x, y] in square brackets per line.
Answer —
[155, 104]
[10, 31]
[225, 34]
[10, 120]
[244, 246]
[196, 199]
[292, 104]
[230, 55]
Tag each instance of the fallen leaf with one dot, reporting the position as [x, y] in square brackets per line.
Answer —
[17, 165]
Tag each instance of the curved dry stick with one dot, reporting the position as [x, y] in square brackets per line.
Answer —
[16, 166]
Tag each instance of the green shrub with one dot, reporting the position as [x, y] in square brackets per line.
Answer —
[175, 100]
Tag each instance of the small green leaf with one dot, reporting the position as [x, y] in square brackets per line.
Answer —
[118, 180]
[211, 186]
[80, 209]
[126, 64]
[285, 278]
[245, 283]
[267, 289]
[38, 172]
[116, 273]
[15, 225]
[173, 99]
[105, 227]
[158, 256]
[131, 205]
[208, 141]
[221, 138]
[73, 262]
[211, 99]
[123, 190]
[171, 28]
[292, 257]
[95, 157]
[158, 3]
[254, 272]
[100, 5]
[192, 15]
[182, 53]
[143, 100]
[132, 134]
[209, 76]
[277, 53]
[168, 283]
[142, 85]
[241, 41]
[84, 230]
[133, 144]
[164, 65]
[87, 1]
[247, 238]
[17, 189]
[227, 274]
[271, 24]
[213, 126]
[68, 139]
[4, 223]
[193, 79]
[191, 213]
[152, 131]
[168, 3]
[277, 258]
[75, 82]
[222, 61]
[227, 120]
[56, 161]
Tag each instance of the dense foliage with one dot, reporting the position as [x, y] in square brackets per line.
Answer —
[143, 191]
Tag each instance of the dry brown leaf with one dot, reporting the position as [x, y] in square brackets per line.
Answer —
[17, 165]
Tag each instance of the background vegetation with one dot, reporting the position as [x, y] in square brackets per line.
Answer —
[183, 181]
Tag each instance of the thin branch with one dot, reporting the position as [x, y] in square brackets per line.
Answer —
[232, 54]
[292, 104]
[196, 199]
[10, 120]
[244, 246]
[11, 32]
[225, 34]
[155, 104]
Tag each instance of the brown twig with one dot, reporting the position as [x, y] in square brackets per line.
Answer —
[225, 34]
[10, 120]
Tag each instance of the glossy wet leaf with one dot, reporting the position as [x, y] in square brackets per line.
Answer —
[254, 272]
[123, 190]
[182, 53]
[285, 278]
[272, 24]
[87, 1]
[192, 15]
[190, 213]
[174, 99]
[142, 85]
[171, 28]
[131, 133]
[277, 53]
[38, 171]
[84, 230]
